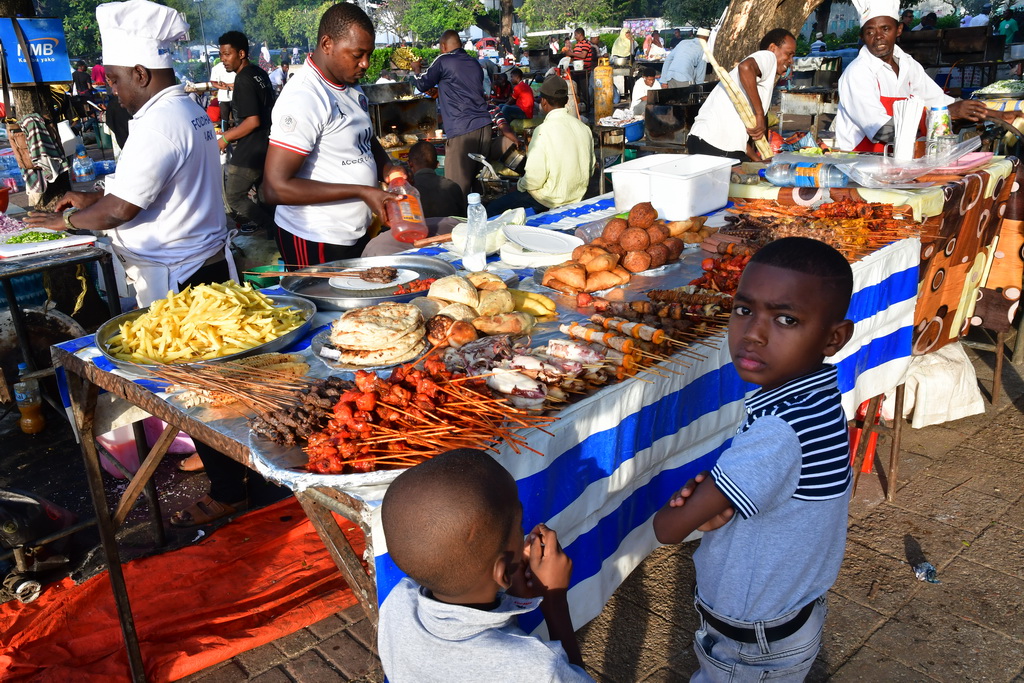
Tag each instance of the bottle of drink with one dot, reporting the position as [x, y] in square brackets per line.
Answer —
[805, 174]
[83, 167]
[405, 211]
[30, 403]
[474, 256]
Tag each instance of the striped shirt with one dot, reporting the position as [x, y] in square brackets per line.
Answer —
[787, 474]
[811, 405]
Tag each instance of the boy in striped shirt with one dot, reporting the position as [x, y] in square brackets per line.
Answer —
[763, 572]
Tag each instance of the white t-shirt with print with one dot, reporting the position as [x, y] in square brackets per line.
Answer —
[328, 124]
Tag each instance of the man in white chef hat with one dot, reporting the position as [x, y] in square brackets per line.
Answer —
[881, 75]
[163, 206]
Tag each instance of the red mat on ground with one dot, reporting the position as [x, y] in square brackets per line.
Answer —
[263, 576]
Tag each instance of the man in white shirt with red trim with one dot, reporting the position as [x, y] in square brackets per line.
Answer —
[324, 163]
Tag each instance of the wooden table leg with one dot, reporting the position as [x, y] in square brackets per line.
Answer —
[342, 554]
[894, 448]
[865, 438]
[997, 373]
[83, 405]
[146, 470]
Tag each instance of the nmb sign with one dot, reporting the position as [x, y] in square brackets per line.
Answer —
[48, 51]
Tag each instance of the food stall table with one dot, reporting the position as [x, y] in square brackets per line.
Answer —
[609, 461]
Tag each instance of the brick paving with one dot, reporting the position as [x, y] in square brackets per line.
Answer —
[958, 504]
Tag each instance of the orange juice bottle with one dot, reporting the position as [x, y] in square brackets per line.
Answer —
[405, 211]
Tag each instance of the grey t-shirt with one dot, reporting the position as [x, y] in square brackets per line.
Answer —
[787, 474]
[421, 640]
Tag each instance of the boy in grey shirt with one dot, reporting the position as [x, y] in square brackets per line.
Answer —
[763, 575]
[454, 525]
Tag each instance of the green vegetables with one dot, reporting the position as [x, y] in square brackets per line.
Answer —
[33, 236]
[1003, 87]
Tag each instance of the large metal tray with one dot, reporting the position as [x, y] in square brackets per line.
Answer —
[327, 298]
[111, 328]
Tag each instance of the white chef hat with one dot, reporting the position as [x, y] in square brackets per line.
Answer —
[139, 32]
[869, 9]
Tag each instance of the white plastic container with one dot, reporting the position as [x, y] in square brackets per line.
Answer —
[679, 186]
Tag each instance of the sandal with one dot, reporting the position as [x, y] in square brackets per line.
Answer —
[192, 464]
[204, 511]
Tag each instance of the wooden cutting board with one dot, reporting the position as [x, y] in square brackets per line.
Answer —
[11, 250]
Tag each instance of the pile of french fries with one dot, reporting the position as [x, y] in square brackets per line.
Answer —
[203, 322]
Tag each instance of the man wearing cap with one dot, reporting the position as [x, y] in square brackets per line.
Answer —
[324, 163]
[818, 45]
[560, 160]
[881, 75]
[982, 18]
[460, 86]
[685, 64]
[718, 129]
[163, 206]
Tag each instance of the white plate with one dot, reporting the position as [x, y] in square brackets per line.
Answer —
[542, 240]
[357, 283]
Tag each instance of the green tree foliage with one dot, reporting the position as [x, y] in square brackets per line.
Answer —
[555, 14]
[428, 19]
[697, 12]
[299, 24]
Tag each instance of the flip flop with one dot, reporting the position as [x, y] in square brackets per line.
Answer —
[192, 463]
[204, 511]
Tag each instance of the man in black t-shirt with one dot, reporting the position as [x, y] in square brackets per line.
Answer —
[82, 80]
[251, 102]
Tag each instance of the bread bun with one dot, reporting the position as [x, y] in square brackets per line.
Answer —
[462, 333]
[659, 255]
[658, 233]
[642, 215]
[614, 228]
[454, 289]
[675, 248]
[636, 261]
[635, 239]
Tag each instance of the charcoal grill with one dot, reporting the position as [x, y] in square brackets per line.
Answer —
[416, 115]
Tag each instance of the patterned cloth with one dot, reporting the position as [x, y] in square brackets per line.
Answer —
[47, 157]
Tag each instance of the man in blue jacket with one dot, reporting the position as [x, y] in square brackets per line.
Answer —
[467, 124]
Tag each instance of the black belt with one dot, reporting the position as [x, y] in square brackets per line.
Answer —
[747, 634]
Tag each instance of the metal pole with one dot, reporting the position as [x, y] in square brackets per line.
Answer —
[202, 30]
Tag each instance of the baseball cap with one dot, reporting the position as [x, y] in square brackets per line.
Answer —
[553, 86]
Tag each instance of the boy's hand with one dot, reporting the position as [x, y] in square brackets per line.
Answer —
[679, 500]
[547, 567]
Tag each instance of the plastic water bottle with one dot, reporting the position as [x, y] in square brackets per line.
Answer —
[805, 174]
[405, 211]
[474, 256]
[30, 402]
[83, 167]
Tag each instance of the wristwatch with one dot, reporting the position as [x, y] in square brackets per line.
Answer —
[67, 217]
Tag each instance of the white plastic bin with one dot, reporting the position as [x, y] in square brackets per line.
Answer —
[678, 185]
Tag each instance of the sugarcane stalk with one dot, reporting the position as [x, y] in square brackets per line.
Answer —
[738, 99]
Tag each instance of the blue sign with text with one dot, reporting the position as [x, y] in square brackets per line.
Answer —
[48, 51]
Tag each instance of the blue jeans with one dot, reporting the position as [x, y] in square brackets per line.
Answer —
[724, 660]
[512, 112]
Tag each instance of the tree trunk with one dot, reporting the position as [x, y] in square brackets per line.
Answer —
[821, 15]
[747, 21]
[507, 17]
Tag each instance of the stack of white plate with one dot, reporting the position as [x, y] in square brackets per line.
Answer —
[530, 247]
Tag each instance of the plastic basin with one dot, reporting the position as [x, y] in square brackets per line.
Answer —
[265, 280]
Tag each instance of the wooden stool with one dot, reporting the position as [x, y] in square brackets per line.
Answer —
[867, 429]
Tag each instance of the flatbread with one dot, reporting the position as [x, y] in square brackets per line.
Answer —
[387, 356]
[375, 327]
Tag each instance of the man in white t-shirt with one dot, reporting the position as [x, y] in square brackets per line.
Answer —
[225, 82]
[163, 206]
[644, 84]
[718, 129]
[983, 18]
[324, 163]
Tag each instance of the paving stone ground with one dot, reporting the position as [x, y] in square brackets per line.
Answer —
[958, 505]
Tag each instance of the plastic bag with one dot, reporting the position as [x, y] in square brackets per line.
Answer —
[886, 173]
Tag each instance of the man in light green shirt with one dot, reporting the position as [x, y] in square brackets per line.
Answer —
[560, 160]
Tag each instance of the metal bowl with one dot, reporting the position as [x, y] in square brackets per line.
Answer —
[111, 328]
[619, 61]
[327, 298]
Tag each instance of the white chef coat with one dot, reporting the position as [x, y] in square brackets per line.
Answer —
[219, 73]
[640, 89]
[717, 122]
[170, 168]
[329, 124]
[868, 78]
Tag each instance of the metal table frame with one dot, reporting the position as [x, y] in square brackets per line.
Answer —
[84, 380]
